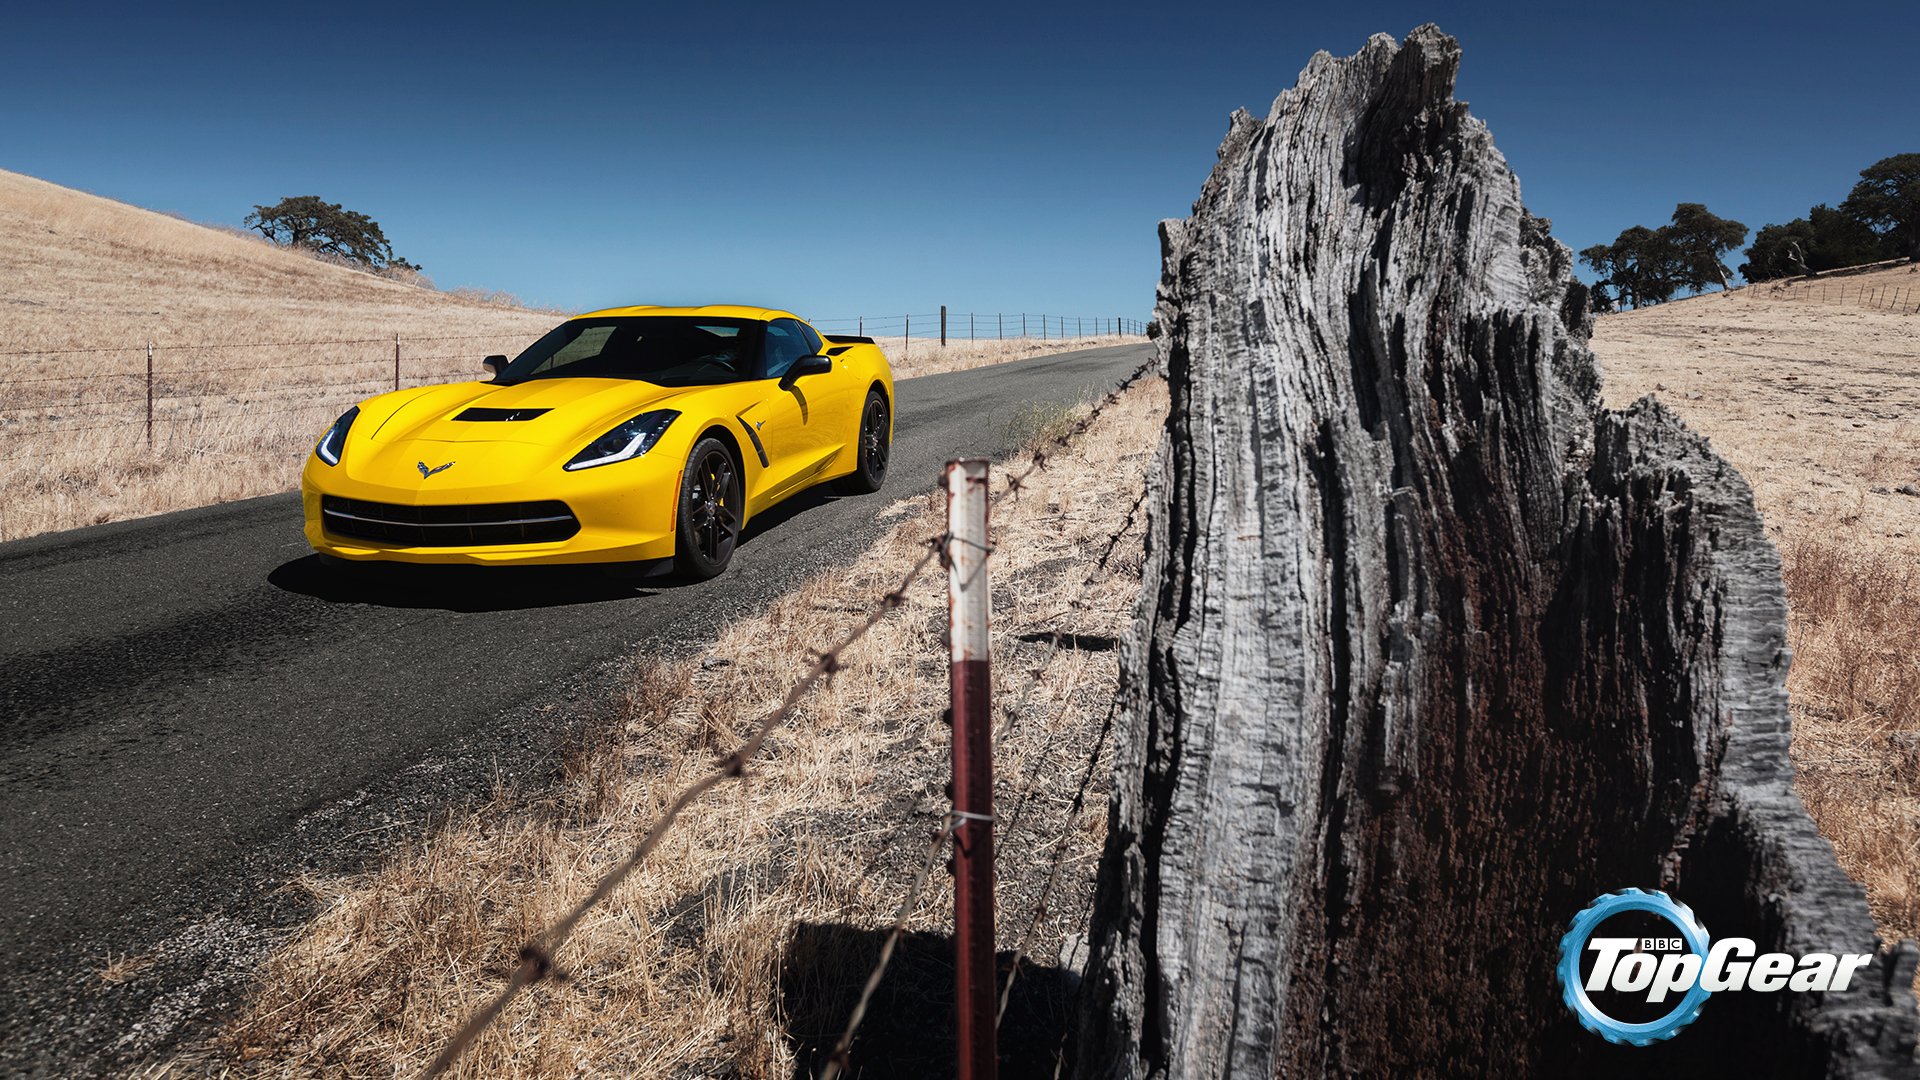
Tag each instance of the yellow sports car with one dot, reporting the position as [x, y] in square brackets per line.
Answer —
[627, 435]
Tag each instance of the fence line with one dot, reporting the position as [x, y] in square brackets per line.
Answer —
[1898, 299]
[837, 1062]
[1038, 325]
[537, 956]
[166, 383]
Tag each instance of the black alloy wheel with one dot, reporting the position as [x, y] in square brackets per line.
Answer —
[710, 505]
[875, 447]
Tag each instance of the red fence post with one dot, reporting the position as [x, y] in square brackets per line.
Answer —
[968, 599]
[149, 395]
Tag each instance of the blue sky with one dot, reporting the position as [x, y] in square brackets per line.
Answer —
[878, 158]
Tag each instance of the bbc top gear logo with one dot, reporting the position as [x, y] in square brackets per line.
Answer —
[1644, 974]
[1574, 945]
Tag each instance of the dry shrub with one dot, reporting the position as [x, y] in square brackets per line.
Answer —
[737, 948]
[1855, 688]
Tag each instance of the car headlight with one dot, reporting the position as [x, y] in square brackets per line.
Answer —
[330, 445]
[630, 440]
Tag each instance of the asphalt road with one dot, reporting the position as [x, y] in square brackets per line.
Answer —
[188, 701]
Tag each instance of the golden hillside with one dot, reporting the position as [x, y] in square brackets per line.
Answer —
[1813, 390]
[83, 271]
[257, 348]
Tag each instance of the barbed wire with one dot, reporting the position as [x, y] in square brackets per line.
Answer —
[839, 1059]
[45, 406]
[537, 955]
[141, 346]
[1040, 909]
[1038, 460]
[1029, 777]
[843, 1048]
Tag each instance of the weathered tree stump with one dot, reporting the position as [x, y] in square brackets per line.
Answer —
[1433, 649]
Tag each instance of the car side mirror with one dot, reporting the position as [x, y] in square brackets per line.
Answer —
[494, 364]
[807, 365]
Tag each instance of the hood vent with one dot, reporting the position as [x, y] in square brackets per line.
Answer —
[482, 416]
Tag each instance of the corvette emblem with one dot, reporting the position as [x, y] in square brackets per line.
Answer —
[426, 472]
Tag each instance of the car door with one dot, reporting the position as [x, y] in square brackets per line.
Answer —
[788, 424]
[836, 394]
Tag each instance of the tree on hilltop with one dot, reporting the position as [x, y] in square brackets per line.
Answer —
[311, 223]
[1887, 200]
[1699, 238]
[1648, 266]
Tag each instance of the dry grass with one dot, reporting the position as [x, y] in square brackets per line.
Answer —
[83, 272]
[236, 411]
[750, 929]
[1856, 701]
[1816, 403]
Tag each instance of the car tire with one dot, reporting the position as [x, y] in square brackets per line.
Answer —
[707, 524]
[875, 439]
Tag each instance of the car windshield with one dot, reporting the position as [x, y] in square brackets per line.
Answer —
[668, 350]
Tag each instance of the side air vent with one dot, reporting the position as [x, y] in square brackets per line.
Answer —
[482, 416]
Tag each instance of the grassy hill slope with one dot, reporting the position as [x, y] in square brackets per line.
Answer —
[1813, 390]
[85, 282]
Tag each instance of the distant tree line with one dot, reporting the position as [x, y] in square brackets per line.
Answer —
[311, 223]
[1879, 219]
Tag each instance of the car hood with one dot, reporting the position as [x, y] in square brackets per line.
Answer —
[574, 408]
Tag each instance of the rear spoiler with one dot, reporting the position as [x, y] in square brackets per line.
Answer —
[848, 339]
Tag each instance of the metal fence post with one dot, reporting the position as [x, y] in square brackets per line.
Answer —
[968, 607]
[1000, 324]
[943, 326]
[906, 339]
[149, 395]
[863, 326]
[396, 360]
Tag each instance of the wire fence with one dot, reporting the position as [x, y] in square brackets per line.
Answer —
[1873, 295]
[950, 326]
[538, 957]
[172, 397]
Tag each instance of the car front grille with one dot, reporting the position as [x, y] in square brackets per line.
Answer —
[448, 526]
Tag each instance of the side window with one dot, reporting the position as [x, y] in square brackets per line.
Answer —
[814, 344]
[786, 342]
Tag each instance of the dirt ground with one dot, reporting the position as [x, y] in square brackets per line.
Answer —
[1813, 390]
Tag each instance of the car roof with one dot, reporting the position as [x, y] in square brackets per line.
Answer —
[719, 311]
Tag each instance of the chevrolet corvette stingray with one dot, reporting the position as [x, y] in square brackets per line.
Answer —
[628, 435]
